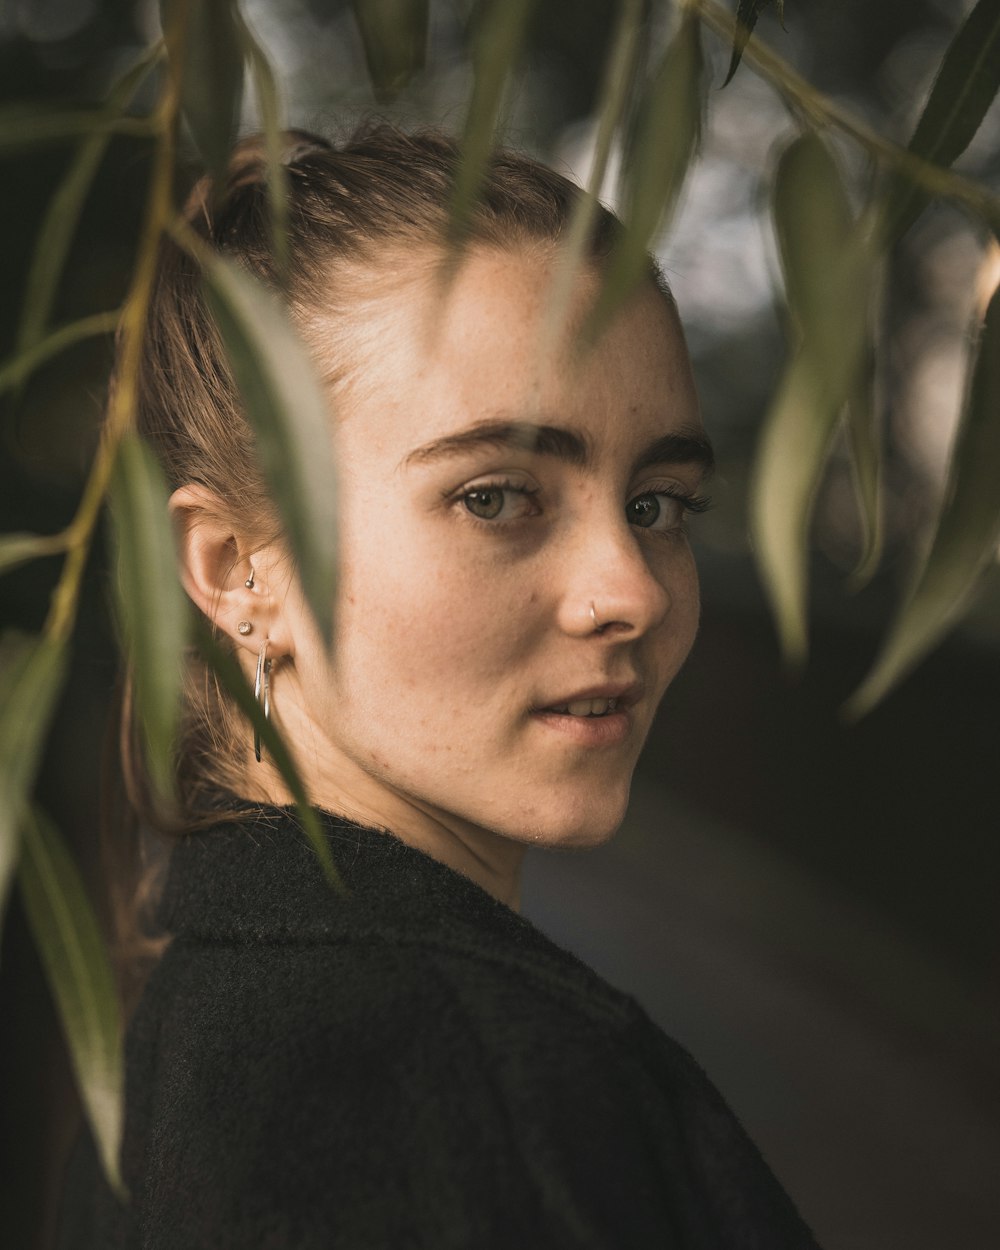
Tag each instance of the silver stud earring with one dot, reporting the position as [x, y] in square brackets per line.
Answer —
[244, 628]
[249, 581]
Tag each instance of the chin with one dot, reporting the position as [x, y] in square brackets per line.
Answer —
[578, 823]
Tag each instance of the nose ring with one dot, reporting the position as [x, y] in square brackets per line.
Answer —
[593, 616]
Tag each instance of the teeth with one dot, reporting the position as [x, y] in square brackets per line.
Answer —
[588, 707]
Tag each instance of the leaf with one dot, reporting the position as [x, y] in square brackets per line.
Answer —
[864, 446]
[203, 40]
[965, 87]
[290, 415]
[31, 125]
[614, 98]
[967, 533]
[746, 19]
[68, 939]
[231, 676]
[667, 132]
[828, 269]
[272, 121]
[64, 209]
[501, 29]
[394, 37]
[18, 549]
[151, 602]
[32, 675]
[22, 364]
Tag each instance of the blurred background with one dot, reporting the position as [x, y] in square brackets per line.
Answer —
[810, 907]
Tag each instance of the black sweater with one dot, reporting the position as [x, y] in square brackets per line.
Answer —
[414, 1065]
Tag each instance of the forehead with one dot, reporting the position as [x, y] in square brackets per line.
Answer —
[443, 360]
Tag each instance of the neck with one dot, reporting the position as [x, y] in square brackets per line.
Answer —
[339, 786]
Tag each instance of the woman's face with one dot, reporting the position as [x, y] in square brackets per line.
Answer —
[494, 505]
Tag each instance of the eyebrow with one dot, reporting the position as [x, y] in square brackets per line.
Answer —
[561, 442]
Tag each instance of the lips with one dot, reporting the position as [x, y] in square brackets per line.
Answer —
[596, 700]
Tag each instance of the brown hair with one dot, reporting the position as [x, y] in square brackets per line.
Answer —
[351, 209]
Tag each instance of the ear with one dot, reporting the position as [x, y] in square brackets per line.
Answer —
[217, 562]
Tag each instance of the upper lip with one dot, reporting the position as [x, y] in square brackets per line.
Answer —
[625, 693]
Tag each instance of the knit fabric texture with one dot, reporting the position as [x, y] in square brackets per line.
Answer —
[407, 1064]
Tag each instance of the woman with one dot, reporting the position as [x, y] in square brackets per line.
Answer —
[413, 1064]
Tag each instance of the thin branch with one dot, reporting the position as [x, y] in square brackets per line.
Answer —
[121, 410]
[824, 112]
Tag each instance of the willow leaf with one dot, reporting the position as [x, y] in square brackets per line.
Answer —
[394, 37]
[32, 125]
[32, 675]
[865, 451]
[614, 97]
[18, 369]
[828, 271]
[746, 19]
[290, 415]
[965, 87]
[151, 603]
[666, 136]
[211, 75]
[231, 676]
[967, 532]
[18, 549]
[272, 122]
[68, 939]
[501, 26]
[64, 210]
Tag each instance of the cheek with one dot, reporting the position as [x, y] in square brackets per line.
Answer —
[423, 618]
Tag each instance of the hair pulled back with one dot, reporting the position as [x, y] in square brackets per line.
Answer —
[351, 211]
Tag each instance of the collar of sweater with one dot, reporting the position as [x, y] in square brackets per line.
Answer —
[259, 878]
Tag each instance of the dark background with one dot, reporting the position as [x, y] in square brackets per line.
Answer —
[809, 906]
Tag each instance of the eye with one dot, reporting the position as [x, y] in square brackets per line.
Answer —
[499, 501]
[662, 510]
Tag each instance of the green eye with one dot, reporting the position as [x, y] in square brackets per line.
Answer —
[643, 510]
[655, 510]
[486, 502]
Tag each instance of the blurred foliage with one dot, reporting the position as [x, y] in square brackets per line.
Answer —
[80, 79]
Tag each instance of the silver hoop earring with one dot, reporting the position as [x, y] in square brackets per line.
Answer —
[262, 682]
[249, 581]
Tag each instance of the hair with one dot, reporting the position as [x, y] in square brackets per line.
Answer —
[352, 211]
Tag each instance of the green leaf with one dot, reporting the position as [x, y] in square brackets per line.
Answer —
[68, 939]
[272, 121]
[964, 89]
[291, 417]
[864, 445]
[18, 549]
[829, 268]
[231, 676]
[619, 73]
[496, 44]
[22, 364]
[64, 209]
[394, 36]
[666, 136]
[32, 125]
[151, 602]
[210, 56]
[746, 19]
[967, 534]
[31, 676]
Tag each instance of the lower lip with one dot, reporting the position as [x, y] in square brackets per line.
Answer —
[589, 731]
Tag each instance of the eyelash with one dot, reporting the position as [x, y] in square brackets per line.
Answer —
[689, 502]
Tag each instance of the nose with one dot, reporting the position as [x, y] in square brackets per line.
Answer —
[617, 584]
